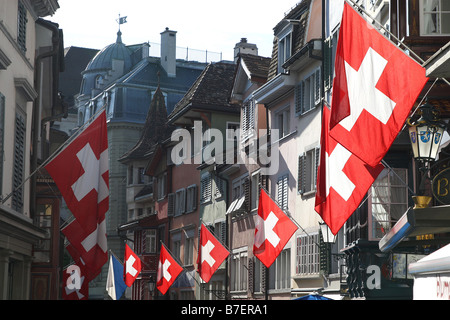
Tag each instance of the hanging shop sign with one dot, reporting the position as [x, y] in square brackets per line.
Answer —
[441, 186]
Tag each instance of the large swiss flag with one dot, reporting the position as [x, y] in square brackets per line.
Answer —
[81, 172]
[374, 89]
[342, 180]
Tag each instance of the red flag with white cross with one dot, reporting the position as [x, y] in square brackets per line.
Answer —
[211, 254]
[81, 172]
[75, 283]
[168, 271]
[272, 231]
[375, 86]
[342, 180]
[132, 266]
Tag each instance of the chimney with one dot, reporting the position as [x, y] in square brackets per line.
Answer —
[168, 51]
[244, 47]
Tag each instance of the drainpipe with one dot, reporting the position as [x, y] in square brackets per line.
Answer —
[56, 40]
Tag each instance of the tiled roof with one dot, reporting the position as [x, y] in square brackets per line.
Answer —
[258, 66]
[211, 89]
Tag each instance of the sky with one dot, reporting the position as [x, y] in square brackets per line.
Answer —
[210, 25]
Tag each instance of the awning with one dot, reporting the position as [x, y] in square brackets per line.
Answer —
[436, 262]
[417, 222]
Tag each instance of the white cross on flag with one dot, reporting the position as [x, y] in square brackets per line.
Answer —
[342, 180]
[273, 230]
[132, 266]
[211, 254]
[168, 271]
[81, 172]
[375, 86]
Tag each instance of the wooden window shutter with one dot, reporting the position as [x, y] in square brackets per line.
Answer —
[317, 87]
[301, 174]
[327, 61]
[247, 193]
[251, 274]
[171, 204]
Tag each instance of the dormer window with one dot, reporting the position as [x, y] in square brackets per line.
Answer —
[284, 46]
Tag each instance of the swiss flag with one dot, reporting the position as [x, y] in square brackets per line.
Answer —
[342, 180]
[168, 271]
[75, 283]
[374, 89]
[211, 254]
[81, 171]
[132, 266]
[273, 230]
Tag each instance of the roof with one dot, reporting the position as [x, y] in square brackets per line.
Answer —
[257, 66]
[156, 129]
[211, 90]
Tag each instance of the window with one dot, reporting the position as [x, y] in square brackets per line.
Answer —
[248, 118]
[282, 122]
[205, 188]
[19, 162]
[307, 171]
[150, 241]
[284, 50]
[232, 130]
[180, 202]
[189, 247]
[191, 198]
[22, 21]
[282, 191]
[239, 270]
[130, 175]
[255, 191]
[43, 219]
[435, 17]
[308, 255]
[161, 184]
[308, 93]
[280, 271]
[176, 246]
[259, 276]
[141, 176]
[388, 200]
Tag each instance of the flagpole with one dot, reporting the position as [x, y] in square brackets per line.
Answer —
[54, 154]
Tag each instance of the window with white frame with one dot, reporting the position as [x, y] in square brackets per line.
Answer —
[308, 255]
[284, 47]
[189, 247]
[435, 17]
[180, 202]
[282, 191]
[282, 119]
[307, 171]
[161, 184]
[388, 200]
[239, 269]
[308, 93]
[150, 241]
[191, 198]
[280, 271]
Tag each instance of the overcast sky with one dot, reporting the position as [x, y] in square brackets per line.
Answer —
[210, 25]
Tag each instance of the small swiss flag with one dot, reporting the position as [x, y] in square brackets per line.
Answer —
[273, 230]
[168, 271]
[132, 266]
[211, 254]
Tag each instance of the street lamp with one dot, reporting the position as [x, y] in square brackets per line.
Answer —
[327, 235]
[151, 285]
[426, 134]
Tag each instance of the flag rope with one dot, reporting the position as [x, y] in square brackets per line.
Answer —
[54, 154]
